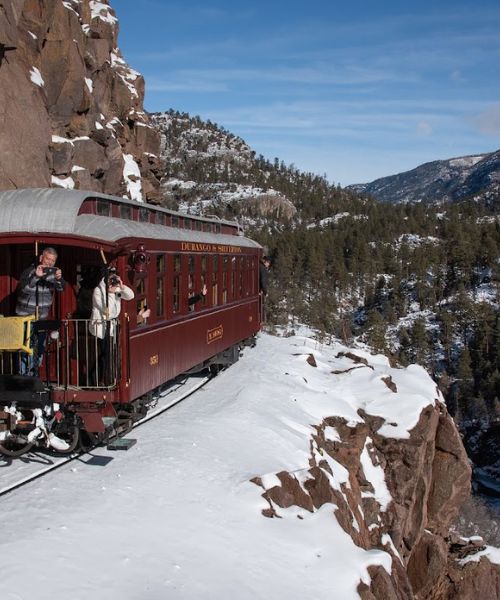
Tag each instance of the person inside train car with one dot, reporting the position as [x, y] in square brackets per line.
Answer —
[143, 315]
[106, 306]
[35, 293]
[265, 265]
[194, 298]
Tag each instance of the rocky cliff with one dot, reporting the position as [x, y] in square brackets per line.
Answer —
[389, 491]
[71, 109]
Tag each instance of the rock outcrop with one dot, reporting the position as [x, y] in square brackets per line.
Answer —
[393, 494]
[71, 109]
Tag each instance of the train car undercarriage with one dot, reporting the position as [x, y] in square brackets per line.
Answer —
[30, 415]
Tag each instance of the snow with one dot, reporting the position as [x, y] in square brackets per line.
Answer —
[69, 7]
[126, 74]
[89, 84]
[57, 139]
[101, 11]
[492, 554]
[178, 517]
[64, 182]
[329, 220]
[36, 77]
[466, 161]
[374, 474]
[131, 168]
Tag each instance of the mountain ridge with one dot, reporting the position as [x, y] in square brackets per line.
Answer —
[475, 176]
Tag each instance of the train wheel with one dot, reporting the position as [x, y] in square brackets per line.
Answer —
[15, 447]
[88, 440]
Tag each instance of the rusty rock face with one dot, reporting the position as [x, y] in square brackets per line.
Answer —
[71, 109]
[428, 478]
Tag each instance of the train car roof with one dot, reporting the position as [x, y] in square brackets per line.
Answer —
[56, 210]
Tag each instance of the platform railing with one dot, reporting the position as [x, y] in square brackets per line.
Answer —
[73, 357]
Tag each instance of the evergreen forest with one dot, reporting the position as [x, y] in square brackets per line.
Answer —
[418, 282]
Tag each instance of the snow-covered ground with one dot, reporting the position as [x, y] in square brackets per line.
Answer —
[177, 517]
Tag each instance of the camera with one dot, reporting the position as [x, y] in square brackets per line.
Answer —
[49, 270]
[114, 280]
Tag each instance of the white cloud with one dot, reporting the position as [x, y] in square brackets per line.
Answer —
[424, 128]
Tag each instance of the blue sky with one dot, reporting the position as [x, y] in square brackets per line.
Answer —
[354, 90]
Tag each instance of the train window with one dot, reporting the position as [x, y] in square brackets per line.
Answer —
[215, 289]
[177, 262]
[233, 270]
[144, 215]
[159, 297]
[225, 263]
[160, 263]
[224, 289]
[176, 293]
[125, 211]
[216, 228]
[203, 282]
[103, 208]
[140, 295]
[175, 221]
[252, 273]
[191, 263]
[246, 276]
[191, 289]
[198, 225]
[215, 280]
[204, 278]
[161, 218]
[241, 277]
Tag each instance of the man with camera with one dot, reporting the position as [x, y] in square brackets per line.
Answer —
[37, 284]
[35, 292]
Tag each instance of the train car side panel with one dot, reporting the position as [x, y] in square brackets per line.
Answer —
[177, 347]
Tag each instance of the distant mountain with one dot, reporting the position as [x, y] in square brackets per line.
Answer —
[476, 177]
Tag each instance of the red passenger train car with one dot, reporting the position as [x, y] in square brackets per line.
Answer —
[164, 257]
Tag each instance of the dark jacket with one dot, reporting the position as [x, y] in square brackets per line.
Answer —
[33, 290]
[263, 278]
[192, 300]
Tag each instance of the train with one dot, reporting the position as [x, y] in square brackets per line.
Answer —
[82, 395]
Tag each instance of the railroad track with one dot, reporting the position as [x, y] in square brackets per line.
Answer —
[17, 472]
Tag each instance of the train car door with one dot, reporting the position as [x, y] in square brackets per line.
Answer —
[13, 260]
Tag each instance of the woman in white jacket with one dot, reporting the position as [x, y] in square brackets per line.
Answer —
[105, 310]
[106, 307]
